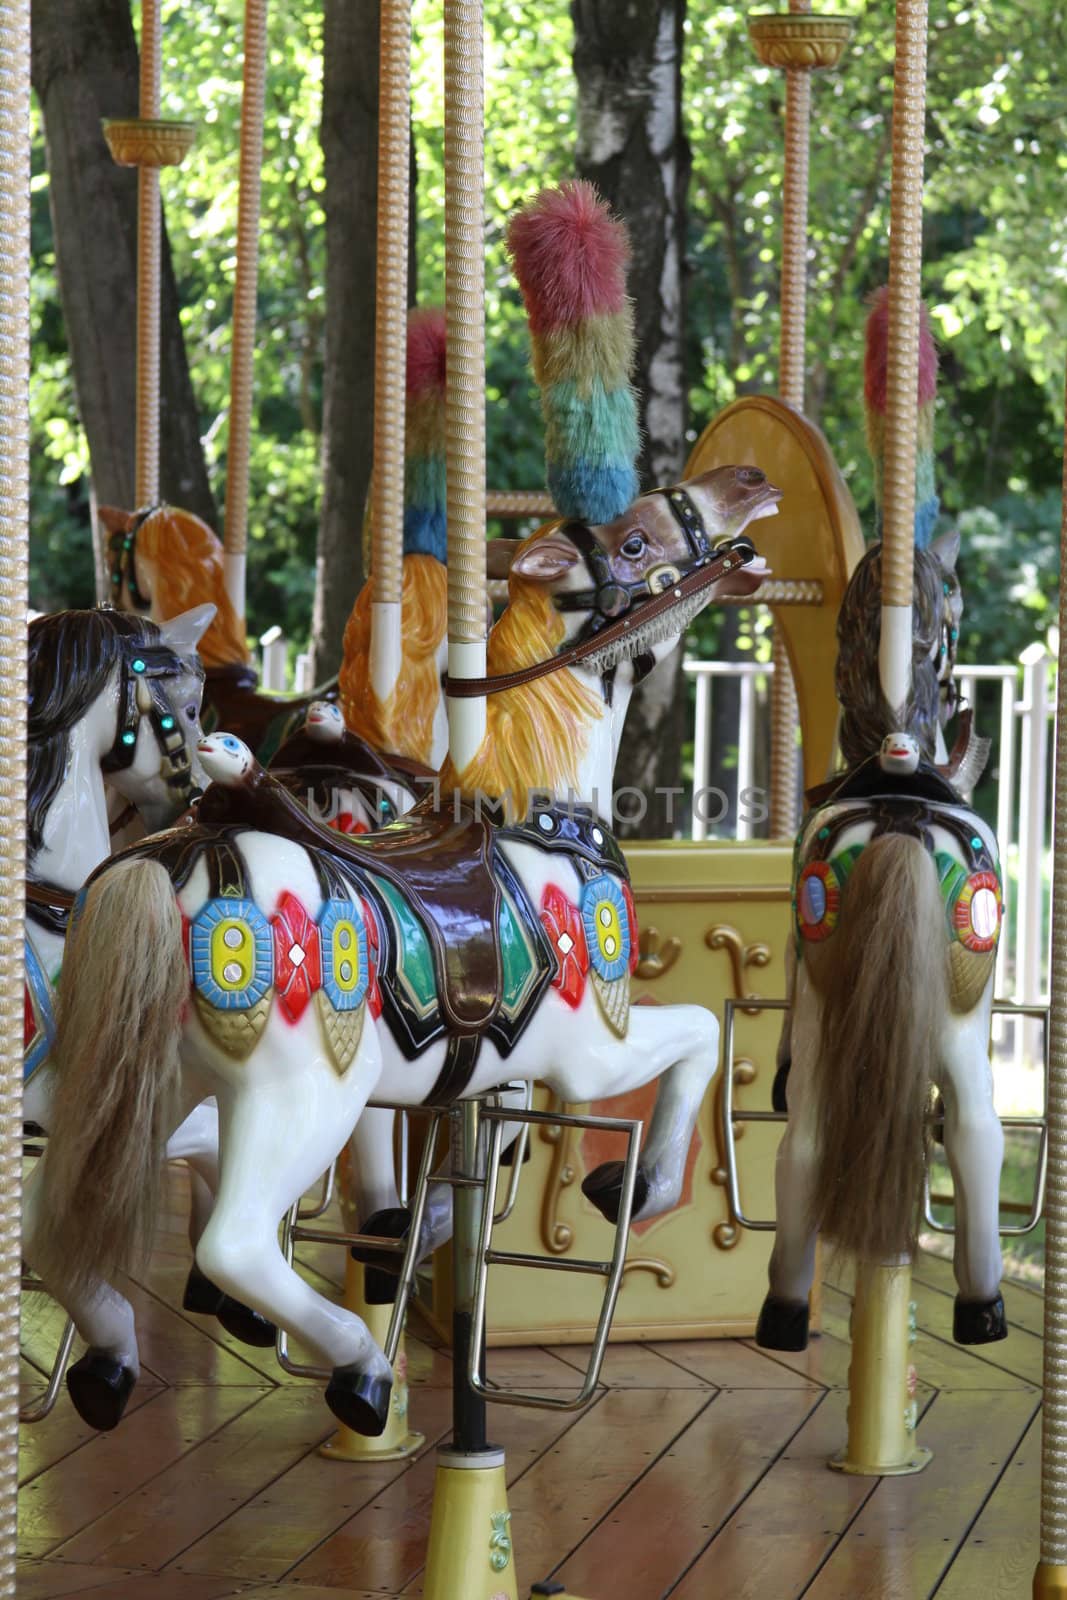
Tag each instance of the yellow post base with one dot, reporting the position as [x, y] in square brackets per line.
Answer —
[1050, 1583]
[881, 1379]
[398, 1440]
[470, 1555]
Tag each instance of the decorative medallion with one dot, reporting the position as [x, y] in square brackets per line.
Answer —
[607, 928]
[977, 913]
[519, 964]
[297, 956]
[345, 964]
[563, 924]
[235, 1032]
[818, 901]
[38, 1016]
[230, 950]
[345, 822]
[374, 959]
[631, 924]
[614, 997]
[342, 1030]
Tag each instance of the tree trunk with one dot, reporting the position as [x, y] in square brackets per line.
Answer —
[628, 63]
[85, 67]
[350, 151]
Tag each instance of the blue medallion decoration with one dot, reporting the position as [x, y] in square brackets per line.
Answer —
[345, 967]
[231, 954]
[40, 1025]
[607, 927]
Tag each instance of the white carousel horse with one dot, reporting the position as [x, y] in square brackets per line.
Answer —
[490, 951]
[898, 912]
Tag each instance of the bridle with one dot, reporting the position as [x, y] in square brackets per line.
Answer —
[620, 609]
[124, 561]
[143, 668]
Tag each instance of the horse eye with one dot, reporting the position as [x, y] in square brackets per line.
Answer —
[634, 546]
[192, 711]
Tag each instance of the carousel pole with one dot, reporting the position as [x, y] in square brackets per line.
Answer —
[798, 42]
[235, 533]
[1050, 1578]
[881, 1413]
[14, 524]
[390, 348]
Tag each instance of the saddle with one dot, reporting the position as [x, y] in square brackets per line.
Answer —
[440, 860]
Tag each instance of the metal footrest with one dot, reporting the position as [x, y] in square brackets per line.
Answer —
[486, 1257]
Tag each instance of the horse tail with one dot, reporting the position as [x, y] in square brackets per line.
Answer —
[122, 995]
[883, 982]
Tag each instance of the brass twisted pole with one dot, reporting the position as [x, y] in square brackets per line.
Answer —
[905, 287]
[390, 345]
[235, 535]
[14, 525]
[465, 364]
[1051, 1575]
[149, 269]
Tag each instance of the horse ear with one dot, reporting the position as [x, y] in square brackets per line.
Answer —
[182, 634]
[946, 547]
[499, 555]
[547, 559]
[114, 520]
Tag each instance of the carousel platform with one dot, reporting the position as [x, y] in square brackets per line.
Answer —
[698, 1471]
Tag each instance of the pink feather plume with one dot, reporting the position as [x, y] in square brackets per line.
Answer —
[425, 351]
[876, 362]
[570, 256]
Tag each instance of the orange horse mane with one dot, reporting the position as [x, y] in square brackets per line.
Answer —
[403, 726]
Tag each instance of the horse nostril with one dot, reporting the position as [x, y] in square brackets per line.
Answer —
[751, 475]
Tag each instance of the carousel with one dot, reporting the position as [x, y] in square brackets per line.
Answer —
[409, 1190]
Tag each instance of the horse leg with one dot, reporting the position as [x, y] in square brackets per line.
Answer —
[974, 1148]
[680, 1046]
[280, 1131]
[783, 1319]
[102, 1380]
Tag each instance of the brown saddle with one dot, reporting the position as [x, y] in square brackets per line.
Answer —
[439, 859]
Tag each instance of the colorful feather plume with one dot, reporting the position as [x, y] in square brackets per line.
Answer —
[875, 377]
[424, 442]
[570, 257]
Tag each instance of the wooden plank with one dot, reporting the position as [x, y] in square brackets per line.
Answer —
[998, 1559]
[910, 1528]
[632, 1366]
[824, 1362]
[729, 1364]
[384, 1545]
[179, 1352]
[154, 1525]
[1020, 1354]
[1025, 1307]
[112, 1584]
[303, 1507]
[687, 1494]
[532, 1367]
[87, 1484]
[42, 1444]
[48, 1580]
[567, 1491]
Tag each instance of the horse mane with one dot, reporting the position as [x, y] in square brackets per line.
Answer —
[189, 571]
[71, 656]
[404, 725]
[866, 718]
[535, 735]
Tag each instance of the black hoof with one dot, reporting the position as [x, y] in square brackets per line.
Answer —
[100, 1387]
[979, 1321]
[383, 1267]
[359, 1401]
[508, 1158]
[251, 1327]
[779, 1095]
[782, 1325]
[603, 1187]
[201, 1295]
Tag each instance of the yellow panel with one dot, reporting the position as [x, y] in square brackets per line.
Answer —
[816, 534]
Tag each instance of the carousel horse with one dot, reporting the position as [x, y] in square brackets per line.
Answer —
[341, 779]
[292, 970]
[897, 905]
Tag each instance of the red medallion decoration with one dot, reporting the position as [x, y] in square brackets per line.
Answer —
[29, 1018]
[345, 822]
[562, 922]
[297, 956]
[818, 901]
[977, 914]
[631, 917]
[374, 994]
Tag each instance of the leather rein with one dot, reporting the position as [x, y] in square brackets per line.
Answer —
[727, 558]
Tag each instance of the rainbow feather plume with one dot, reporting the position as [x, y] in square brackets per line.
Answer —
[570, 257]
[875, 373]
[424, 440]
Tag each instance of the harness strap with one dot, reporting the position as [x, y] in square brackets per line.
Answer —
[461, 1058]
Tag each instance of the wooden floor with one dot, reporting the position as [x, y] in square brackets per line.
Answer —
[699, 1471]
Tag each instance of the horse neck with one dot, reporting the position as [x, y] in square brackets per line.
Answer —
[76, 835]
[596, 769]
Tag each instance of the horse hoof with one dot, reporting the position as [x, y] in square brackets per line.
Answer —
[201, 1295]
[100, 1386]
[392, 1223]
[979, 1321]
[603, 1186]
[359, 1400]
[782, 1325]
[251, 1327]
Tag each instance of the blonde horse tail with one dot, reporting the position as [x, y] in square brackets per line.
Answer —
[122, 995]
[883, 982]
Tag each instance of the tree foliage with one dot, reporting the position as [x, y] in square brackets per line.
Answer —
[995, 269]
